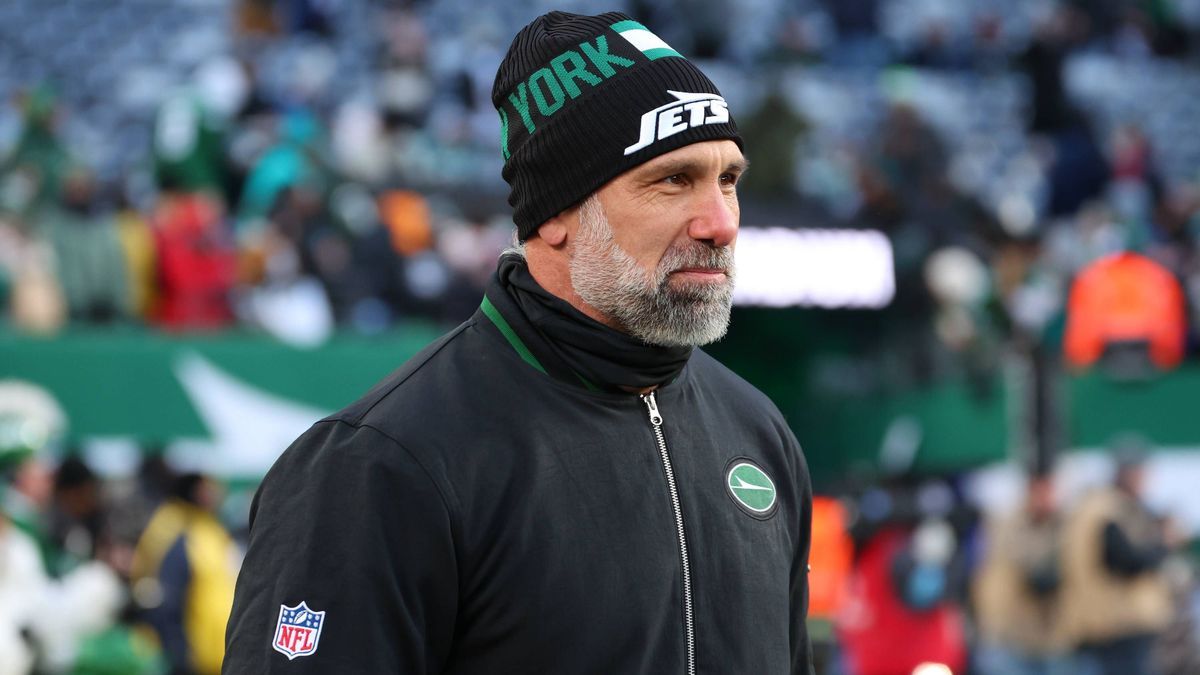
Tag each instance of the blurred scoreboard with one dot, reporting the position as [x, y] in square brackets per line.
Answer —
[779, 267]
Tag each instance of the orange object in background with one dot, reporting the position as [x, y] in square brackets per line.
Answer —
[830, 558]
[405, 214]
[1127, 298]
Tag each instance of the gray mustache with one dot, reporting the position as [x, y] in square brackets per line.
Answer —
[698, 256]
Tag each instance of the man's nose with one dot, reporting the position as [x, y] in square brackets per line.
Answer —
[714, 217]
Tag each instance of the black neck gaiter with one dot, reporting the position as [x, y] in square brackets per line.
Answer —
[604, 357]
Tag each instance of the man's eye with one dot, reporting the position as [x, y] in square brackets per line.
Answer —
[675, 179]
[729, 179]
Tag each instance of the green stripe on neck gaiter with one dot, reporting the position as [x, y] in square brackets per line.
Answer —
[490, 311]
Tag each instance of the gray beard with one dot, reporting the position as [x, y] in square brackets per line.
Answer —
[644, 304]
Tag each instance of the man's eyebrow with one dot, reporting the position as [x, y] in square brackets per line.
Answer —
[741, 165]
[671, 167]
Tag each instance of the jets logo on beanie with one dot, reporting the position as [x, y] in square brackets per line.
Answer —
[583, 99]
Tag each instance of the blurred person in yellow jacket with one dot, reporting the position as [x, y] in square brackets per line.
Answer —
[1116, 599]
[184, 570]
[1016, 592]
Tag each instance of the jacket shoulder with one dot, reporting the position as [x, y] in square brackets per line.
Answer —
[400, 382]
[737, 390]
[424, 402]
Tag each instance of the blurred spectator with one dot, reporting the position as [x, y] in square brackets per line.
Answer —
[895, 617]
[402, 271]
[471, 247]
[295, 158]
[1129, 310]
[28, 419]
[404, 87]
[60, 625]
[1116, 600]
[189, 150]
[136, 236]
[196, 262]
[36, 302]
[1054, 35]
[183, 576]
[1016, 591]
[76, 514]
[90, 261]
[406, 216]
[830, 559]
[1078, 170]
[359, 145]
[902, 607]
[28, 488]
[31, 176]
[52, 618]
[154, 482]
[305, 267]
[910, 155]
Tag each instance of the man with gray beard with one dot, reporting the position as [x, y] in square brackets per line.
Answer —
[564, 483]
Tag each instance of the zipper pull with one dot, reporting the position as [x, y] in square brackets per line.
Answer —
[652, 406]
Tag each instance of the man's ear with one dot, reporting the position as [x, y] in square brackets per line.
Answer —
[554, 231]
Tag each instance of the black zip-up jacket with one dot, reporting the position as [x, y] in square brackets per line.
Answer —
[474, 515]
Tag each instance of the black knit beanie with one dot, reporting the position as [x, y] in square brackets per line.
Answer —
[582, 99]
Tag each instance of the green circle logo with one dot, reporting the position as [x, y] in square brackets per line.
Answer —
[751, 487]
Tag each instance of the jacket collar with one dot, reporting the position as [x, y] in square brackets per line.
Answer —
[562, 342]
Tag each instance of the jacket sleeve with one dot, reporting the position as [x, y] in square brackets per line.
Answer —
[351, 524]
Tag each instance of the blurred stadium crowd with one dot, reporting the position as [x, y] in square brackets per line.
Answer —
[300, 167]
[304, 166]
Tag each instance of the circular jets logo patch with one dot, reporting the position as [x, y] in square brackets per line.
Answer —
[751, 488]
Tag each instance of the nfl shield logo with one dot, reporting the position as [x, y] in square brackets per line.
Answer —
[297, 630]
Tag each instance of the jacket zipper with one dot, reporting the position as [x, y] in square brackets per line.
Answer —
[689, 630]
